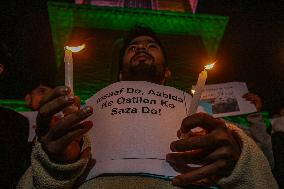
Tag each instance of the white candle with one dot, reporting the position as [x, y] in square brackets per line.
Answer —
[68, 60]
[199, 87]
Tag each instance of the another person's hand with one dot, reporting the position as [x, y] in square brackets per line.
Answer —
[61, 136]
[217, 151]
[254, 99]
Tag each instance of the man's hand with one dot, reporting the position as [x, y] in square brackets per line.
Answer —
[60, 136]
[254, 99]
[216, 150]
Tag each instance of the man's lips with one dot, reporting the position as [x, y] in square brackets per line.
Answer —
[141, 57]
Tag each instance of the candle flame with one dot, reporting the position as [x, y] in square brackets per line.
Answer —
[192, 91]
[209, 66]
[76, 49]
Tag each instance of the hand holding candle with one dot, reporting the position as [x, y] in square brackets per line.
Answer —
[68, 60]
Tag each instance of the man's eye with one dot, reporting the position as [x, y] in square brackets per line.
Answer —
[152, 45]
[131, 48]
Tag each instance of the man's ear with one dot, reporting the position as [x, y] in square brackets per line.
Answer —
[168, 73]
[28, 99]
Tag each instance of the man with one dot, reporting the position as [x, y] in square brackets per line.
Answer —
[230, 159]
[35, 95]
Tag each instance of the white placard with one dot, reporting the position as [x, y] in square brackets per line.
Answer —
[134, 124]
[32, 122]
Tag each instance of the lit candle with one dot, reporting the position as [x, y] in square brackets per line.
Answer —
[197, 91]
[68, 60]
[199, 87]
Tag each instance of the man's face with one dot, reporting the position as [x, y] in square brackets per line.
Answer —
[143, 60]
[33, 99]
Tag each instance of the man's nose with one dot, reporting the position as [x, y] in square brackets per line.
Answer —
[141, 47]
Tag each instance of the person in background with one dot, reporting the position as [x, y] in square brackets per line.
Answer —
[33, 98]
[278, 146]
[14, 130]
[230, 158]
[257, 128]
[36, 94]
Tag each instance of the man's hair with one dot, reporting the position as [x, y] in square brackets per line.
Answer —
[137, 31]
[36, 83]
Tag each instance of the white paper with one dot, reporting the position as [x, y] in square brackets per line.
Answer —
[225, 99]
[32, 122]
[122, 142]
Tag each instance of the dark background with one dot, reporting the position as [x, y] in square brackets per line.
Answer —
[252, 49]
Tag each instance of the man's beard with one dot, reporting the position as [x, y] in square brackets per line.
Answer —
[142, 72]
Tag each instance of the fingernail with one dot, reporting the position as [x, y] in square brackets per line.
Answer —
[69, 98]
[88, 109]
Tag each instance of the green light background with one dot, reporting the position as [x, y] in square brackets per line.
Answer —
[66, 18]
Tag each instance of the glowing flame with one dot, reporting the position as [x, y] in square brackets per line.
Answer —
[75, 49]
[192, 91]
[209, 66]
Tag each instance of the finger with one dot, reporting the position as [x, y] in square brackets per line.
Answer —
[223, 153]
[244, 95]
[55, 93]
[48, 110]
[70, 109]
[202, 120]
[247, 95]
[205, 182]
[181, 168]
[250, 95]
[192, 143]
[77, 102]
[207, 142]
[70, 122]
[56, 105]
[65, 140]
[252, 99]
[198, 174]
[220, 153]
[73, 108]
[188, 157]
[52, 136]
